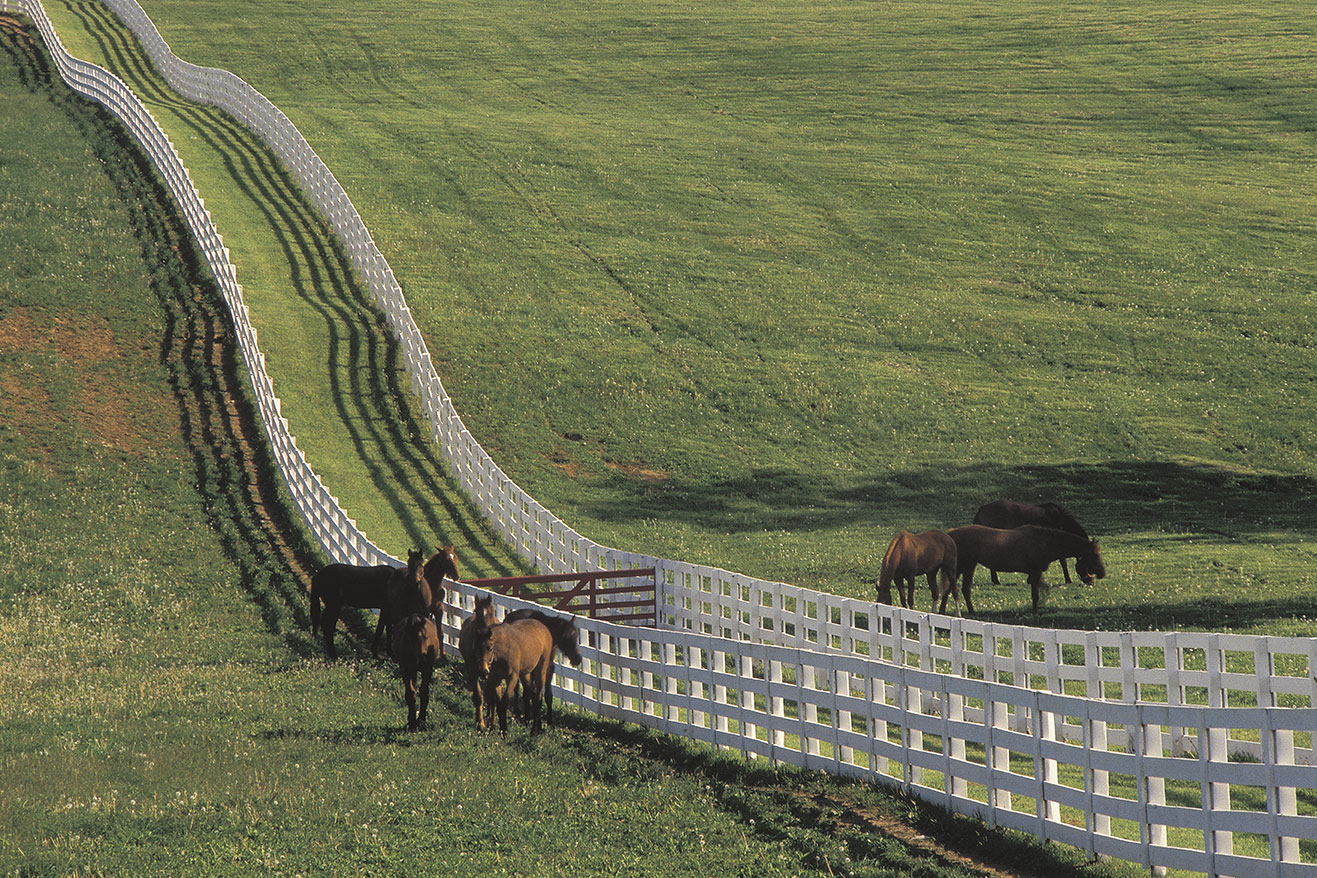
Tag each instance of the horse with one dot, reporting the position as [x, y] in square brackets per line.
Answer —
[567, 639]
[929, 552]
[347, 585]
[442, 565]
[416, 648]
[1008, 514]
[469, 636]
[1026, 549]
[409, 592]
[514, 653]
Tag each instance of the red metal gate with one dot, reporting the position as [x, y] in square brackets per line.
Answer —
[627, 604]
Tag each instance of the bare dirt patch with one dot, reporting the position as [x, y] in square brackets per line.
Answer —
[640, 471]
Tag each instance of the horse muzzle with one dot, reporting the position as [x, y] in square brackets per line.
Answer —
[1088, 579]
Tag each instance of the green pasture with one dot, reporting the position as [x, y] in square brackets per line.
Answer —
[758, 284]
[163, 710]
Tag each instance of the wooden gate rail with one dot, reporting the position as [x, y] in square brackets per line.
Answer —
[599, 602]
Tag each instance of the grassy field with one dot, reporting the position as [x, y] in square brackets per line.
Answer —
[763, 283]
[162, 709]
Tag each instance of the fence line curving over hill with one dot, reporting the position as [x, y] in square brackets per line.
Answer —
[1164, 749]
[1125, 667]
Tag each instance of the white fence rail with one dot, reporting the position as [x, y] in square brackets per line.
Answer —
[1120, 744]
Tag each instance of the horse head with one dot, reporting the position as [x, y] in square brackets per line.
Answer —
[1089, 565]
[484, 612]
[568, 642]
[442, 565]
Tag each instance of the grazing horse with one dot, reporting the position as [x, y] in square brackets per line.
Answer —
[511, 653]
[1027, 549]
[416, 647]
[473, 630]
[1007, 514]
[566, 637]
[909, 555]
[345, 585]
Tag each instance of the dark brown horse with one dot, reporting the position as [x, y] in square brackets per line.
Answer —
[515, 653]
[567, 639]
[365, 587]
[1007, 514]
[409, 593]
[929, 552]
[1027, 549]
[347, 585]
[469, 637]
[416, 648]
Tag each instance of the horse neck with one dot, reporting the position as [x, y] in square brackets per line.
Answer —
[1074, 543]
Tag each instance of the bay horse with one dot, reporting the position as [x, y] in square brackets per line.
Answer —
[442, 565]
[567, 639]
[1008, 514]
[347, 585]
[513, 653]
[416, 648]
[469, 637]
[1026, 549]
[929, 552]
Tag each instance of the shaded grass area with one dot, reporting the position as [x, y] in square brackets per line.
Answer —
[162, 710]
[334, 364]
[764, 283]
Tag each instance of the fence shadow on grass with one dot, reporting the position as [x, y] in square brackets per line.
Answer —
[367, 389]
[234, 473]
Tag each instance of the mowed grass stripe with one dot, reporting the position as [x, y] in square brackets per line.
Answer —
[334, 364]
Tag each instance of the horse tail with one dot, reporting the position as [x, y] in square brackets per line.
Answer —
[314, 594]
[888, 571]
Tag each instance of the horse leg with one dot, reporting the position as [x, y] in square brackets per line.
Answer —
[993, 575]
[548, 696]
[315, 609]
[409, 687]
[1035, 580]
[1065, 571]
[967, 583]
[534, 686]
[328, 622]
[478, 700]
[379, 629]
[503, 707]
[427, 670]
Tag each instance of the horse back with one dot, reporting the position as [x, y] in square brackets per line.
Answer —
[353, 584]
[913, 554]
[1007, 514]
[1022, 549]
[523, 645]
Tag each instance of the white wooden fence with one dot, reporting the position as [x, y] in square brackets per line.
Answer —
[1130, 745]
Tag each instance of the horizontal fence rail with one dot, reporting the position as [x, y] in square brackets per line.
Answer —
[1171, 750]
[1170, 667]
[631, 603]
